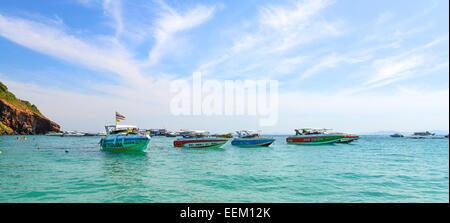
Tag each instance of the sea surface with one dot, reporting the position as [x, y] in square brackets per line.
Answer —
[373, 169]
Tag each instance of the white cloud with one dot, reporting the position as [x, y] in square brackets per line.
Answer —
[390, 68]
[384, 17]
[170, 22]
[331, 61]
[284, 18]
[404, 65]
[114, 9]
[280, 29]
[53, 41]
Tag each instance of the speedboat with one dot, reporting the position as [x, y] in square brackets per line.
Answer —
[228, 135]
[185, 133]
[124, 138]
[249, 138]
[397, 135]
[54, 134]
[348, 138]
[314, 137]
[422, 135]
[90, 134]
[199, 139]
[171, 134]
[427, 133]
[73, 134]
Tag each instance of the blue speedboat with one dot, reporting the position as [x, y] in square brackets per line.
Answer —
[247, 138]
[397, 135]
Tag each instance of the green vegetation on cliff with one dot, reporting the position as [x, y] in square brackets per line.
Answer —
[5, 129]
[11, 98]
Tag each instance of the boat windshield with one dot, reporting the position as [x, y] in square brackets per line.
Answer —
[248, 134]
[196, 134]
[310, 131]
[121, 129]
[124, 131]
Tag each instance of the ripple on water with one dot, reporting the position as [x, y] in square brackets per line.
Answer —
[373, 169]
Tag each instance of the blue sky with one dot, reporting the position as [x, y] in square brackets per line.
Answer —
[355, 66]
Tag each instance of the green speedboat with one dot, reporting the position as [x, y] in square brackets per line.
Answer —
[124, 138]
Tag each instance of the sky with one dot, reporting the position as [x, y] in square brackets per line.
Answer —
[352, 66]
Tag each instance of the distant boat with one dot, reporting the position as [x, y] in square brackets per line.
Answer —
[73, 134]
[90, 134]
[184, 133]
[171, 134]
[228, 135]
[249, 138]
[397, 135]
[427, 133]
[158, 132]
[124, 138]
[314, 137]
[54, 134]
[199, 140]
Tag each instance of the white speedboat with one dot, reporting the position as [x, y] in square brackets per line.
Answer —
[423, 135]
[124, 138]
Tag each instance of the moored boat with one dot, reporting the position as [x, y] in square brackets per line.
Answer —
[124, 138]
[248, 138]
[72, 134]
[422, 135]
[427, 133]
[171, 134]
[90, 134]
[228, 135]
[397, 135]
[199, 140]
[348, 138]
[54, 134]
[314, 137]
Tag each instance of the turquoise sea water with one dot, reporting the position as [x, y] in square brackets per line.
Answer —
[373, 169]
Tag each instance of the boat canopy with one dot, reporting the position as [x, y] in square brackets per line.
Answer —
[248, 133]
[195, 133]
[119, 128]
[427, 133]
[309, 131]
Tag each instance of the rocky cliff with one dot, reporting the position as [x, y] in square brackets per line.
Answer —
[21, 117]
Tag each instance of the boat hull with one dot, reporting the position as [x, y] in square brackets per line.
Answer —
[125, 143]
[256, 142]
[397, 136]
[199, 143]
[313, 140]
[348, 139]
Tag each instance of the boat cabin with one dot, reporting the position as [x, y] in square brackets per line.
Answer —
[196, 134]
[248, 134]
[427, 133]
[309, 131]
[117, 129]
